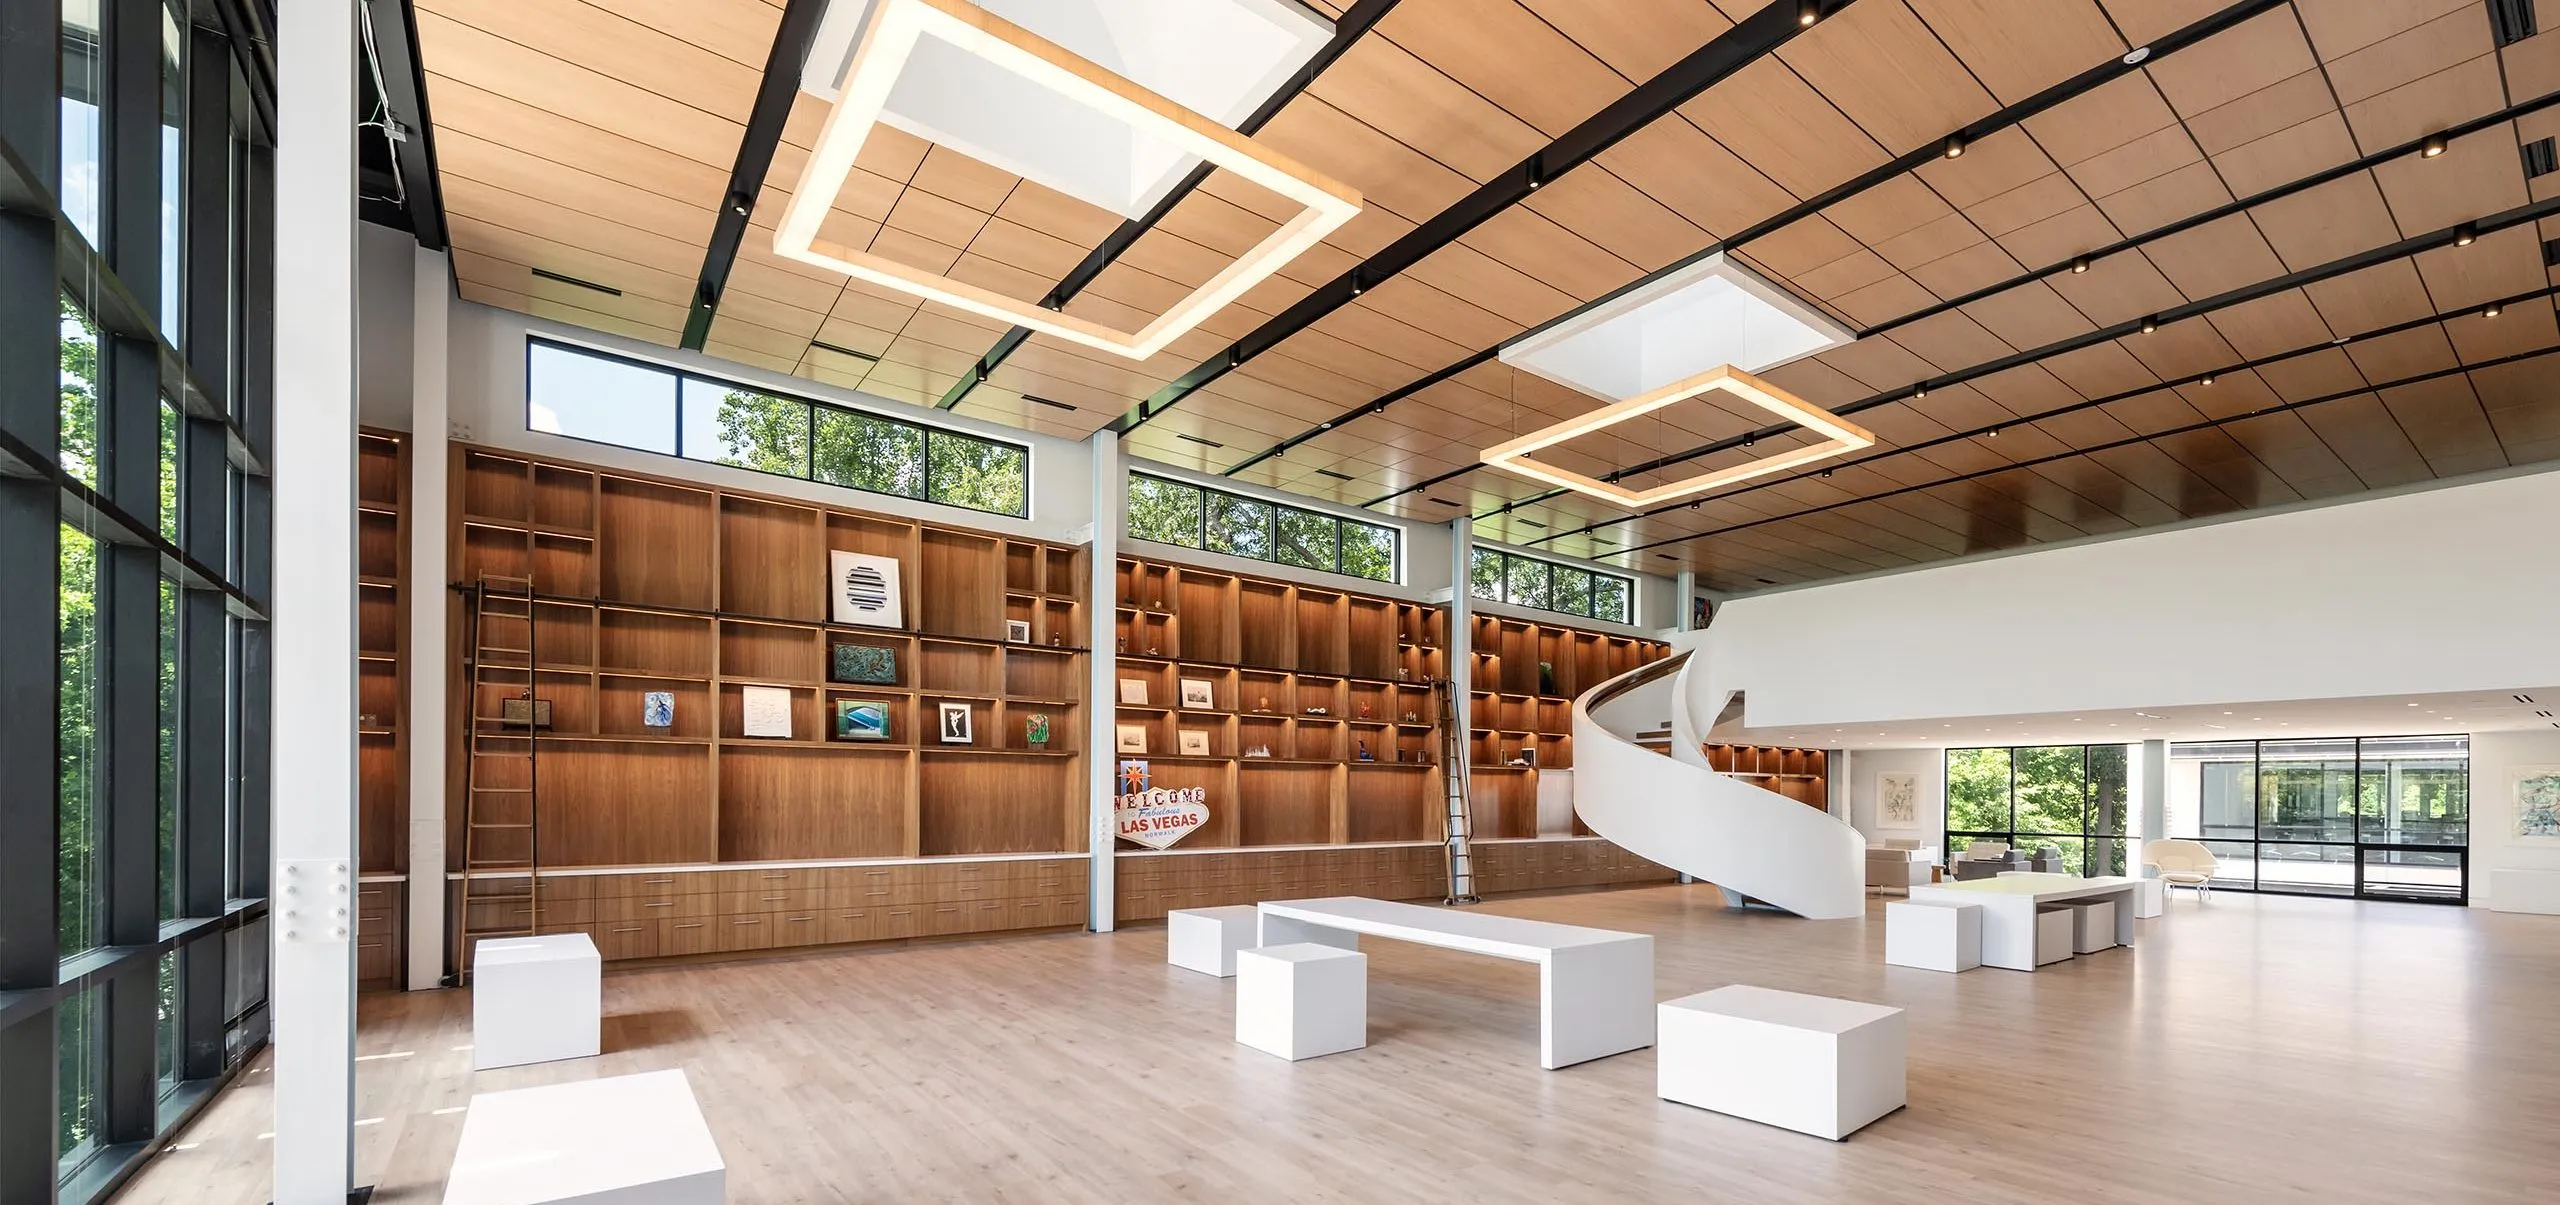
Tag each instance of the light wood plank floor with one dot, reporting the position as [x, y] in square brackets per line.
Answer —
[2251, 1049]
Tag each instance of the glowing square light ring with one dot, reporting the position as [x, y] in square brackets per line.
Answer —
[1842, 437]
[881, 52]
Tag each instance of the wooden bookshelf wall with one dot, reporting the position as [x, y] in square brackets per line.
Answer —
[382, 698]
[1523, 679]
[1803, 775]
[644, 585]
[1321, 727]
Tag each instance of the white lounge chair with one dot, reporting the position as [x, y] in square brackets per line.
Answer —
[2181, 863]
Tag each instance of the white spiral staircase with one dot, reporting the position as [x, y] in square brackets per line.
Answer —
[1673, 810]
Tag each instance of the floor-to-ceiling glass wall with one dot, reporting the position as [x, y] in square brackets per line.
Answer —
[2385, 817]
[133, 303]
[2071, 798]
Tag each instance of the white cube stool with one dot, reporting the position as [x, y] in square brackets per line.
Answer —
[2093, 926]
[2053, 934]
[1810, 1064]
[1206, 939]
[2150, 898]
[626, 1139]
[535, 999]
[1933, 937]
[1303, 1000]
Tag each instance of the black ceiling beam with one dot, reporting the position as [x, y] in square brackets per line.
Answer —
[772, 110]
[2414, 146]
[2111, 445]
[2518, 216]
[1908, 162]
[404, 97]
[2094, 403]
[1354, 23]
[1754, 38]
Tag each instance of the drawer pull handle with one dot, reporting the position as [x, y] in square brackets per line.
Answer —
[688, 924]
[876, 873]
[659, 904]
[632, 929]
[770, 898]
[797, 919]
[946, 909]
[669, 880]
[777, 874]
[748, 920]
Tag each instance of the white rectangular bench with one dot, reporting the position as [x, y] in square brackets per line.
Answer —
[627, 1139]
[1595, 986]
[535, 1000]
[1811, 1064]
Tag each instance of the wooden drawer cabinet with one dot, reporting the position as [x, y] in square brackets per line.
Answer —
[798, 929]
[768, 880]
[654, 908]
[636, 939]
[775, 899]
[379, 932]
[745, 932]
[693, 936]
[663, 883]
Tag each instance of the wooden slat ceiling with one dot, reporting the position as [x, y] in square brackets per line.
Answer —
[595, 141]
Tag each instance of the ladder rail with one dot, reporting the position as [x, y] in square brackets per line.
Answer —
[1458, 847]
[488, 879]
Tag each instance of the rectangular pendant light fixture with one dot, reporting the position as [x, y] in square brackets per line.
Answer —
[1842, 436]
[893, 33]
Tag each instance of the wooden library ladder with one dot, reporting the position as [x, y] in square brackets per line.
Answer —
[1453, 780]
[499, 887]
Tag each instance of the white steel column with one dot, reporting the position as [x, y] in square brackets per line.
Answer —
[428, 602]
[1110, 504]
[1685, 597]
[2151, 786]
[312, 988]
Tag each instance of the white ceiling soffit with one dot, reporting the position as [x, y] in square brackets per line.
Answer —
[1712, 313]
[1218, 58]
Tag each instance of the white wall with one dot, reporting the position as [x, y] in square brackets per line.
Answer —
[489, 408]
[1929, 764]
[385, 273]
[2429, 591]
[2494, 759]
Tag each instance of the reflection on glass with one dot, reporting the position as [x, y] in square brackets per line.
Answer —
[746, 429]
[1308, 540]
[1978, 791]
[166, 1056]
[79, 1046]
[168, 749]
[978, 474]
[80, 392]
[609, 401]
[83, 88]
[80, 890]
[2306, 791]
[173, 137]
[2414, 873]
[1165, 511]
[1240, 526]
[2294, 866]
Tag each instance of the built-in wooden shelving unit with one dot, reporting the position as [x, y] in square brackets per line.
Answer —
[1803, 775]
[382, 698]
[1522, 684]
[645, 586]
[1321, 727]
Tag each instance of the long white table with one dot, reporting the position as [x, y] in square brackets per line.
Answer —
[1595, 986]
[2009, 905]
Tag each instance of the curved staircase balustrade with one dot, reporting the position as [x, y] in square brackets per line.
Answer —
[1675, 811]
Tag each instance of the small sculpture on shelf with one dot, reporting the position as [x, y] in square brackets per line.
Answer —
[1262, 702]
[1124, 644]
[1363, 746]
[1258, 751]
[1056, 641]
[1412, 717]
[1401, 674]
[1364, 711]
[1315, 711]
[1152, 652]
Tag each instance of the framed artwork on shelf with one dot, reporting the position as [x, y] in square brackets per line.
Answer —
[1129, 738]
[862, 720]
[863, 589]
[1035, 730]
[658, 709]
[1133, 691]
[1017, 631]
[1897, 800]
[1197, 694]
[863, 664]
[767, 711]
[1191, 742]
[524, 713]
[955, 723]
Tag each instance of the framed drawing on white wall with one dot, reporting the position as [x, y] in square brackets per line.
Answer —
[1897, 800]
[2537, 806]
